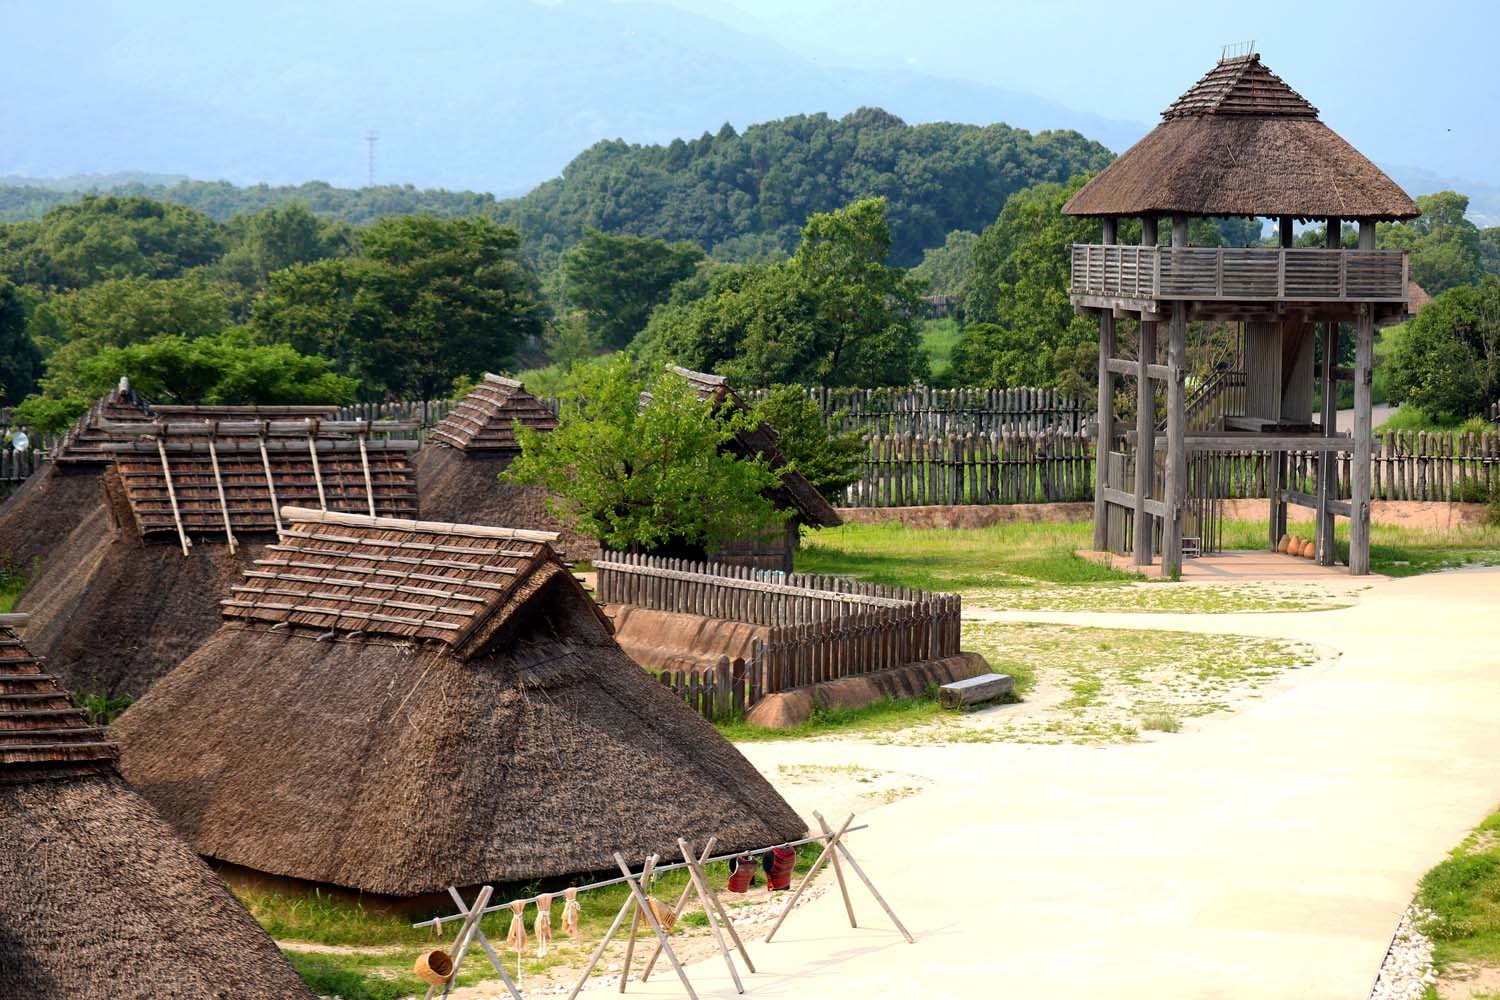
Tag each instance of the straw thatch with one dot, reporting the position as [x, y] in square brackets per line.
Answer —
[99, 898]
[485, 419]
[84, 442]
[1242, 142]
[458, 468]
[458, 485]
[395, 708]
[796, 493]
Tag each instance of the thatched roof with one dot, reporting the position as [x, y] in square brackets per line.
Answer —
[796, 492]
[85, 441]
[458, 485]
[99, 898]
[477, 722]
[1242, 142]
[242, 473]
[485, 419]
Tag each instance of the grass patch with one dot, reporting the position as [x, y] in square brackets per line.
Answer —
[938, 339]
[1003, 555]
[1463, 897]
[366, 977]
[12, 582]
[1394, 550]
[884, 716]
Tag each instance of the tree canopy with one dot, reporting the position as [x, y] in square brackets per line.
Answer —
[647, 477]
[423, 301]
[1446, 248]
[617, 280]
[834, 314]
[1447, 360]
[828, 460]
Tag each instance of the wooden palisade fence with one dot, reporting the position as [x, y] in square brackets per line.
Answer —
[997, 468]
[819, 628]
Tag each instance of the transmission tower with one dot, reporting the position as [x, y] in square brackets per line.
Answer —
[371, 138]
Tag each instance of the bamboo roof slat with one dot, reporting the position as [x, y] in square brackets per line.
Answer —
[306, 515]
[337, 613]
[408, 574]
[387, 602]
[36, 732]
[485, 419]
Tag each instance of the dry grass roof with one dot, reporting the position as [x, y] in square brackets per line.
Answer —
[85, 441]
[796, 492]
[42, 735]
[1241, 142]
[100, 898]
[485, 419]
[403, 753]
[339, 466]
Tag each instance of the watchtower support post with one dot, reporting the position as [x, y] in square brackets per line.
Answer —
[1105, 409]
[1175, 492]
[1145, 421]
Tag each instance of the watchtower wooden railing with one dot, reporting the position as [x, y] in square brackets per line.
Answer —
[1271, 274]
[820, 628]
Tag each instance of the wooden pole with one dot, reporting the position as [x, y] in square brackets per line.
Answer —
[682, 900]
[1328, 417]
[866, 880]
[1145, 422]
[645, 909]
[635, 923]
[1105, 409]
[312, 449]
[812, 873]
[265, 463]
[461, 943]
[1175, 493]
[166, 471]
[1359, 473]
[213, 458]
[838, 874]
[489, 950]
[626, 909]
[364, 462]
[695, 877]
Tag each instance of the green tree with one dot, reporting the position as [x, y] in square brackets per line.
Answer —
[829, 460]
[277, 238]
[1447, 362]
[946, 268]
[834, 314]
[618, 280]
[127, 311]
[1446, 249]
[1022, 328]
[424, 301]
[20, 358]
[641, 478]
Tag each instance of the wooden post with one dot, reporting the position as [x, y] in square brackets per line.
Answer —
[461, 944]
[265, 463]
[1106, 408]
[625, 910]
[166, 471]
[213, 458]
[1359, 473]
[839, 843]
[812, 873]
[643, 909]
[1145, 422]
[1175, 493]
[1328, 417]
[700, 883]
[489, 950]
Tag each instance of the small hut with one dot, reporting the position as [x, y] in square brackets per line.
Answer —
[398, 706]
[458, 468]
[795, 494]
[188, 503]
[100, 898]
[1240, 142]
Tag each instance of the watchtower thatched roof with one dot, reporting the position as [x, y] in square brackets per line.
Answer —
[796, 492]
[1241, 142]
[100, 898]
[485, 419]
[469, 697]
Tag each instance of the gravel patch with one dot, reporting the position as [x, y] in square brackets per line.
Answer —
[1407, 970]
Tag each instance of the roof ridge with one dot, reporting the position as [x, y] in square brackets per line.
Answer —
[305, 515]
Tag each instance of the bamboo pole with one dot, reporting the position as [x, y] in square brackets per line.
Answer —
[166, 471]
[312, 449]
[644, 907]
[265, 463]
[682, 900]
[700, 883]
[839, 844]
[489, 950]
[213, 457]
[364, 462]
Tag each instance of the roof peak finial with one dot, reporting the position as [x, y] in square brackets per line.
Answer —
[1235, 51]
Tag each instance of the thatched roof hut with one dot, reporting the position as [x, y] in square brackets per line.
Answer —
[458, 467]
[137, 595]
[1241, 142]
[469, 697]
[100, 898]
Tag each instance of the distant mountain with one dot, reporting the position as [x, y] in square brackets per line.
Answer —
[484, 95]
[91, 182]
[1484, 199]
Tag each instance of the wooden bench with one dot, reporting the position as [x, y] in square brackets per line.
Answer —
[975, 690]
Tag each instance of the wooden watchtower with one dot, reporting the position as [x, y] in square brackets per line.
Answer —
[1239, 143]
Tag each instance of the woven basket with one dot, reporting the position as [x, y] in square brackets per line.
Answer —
[433, 967]
[664, 914]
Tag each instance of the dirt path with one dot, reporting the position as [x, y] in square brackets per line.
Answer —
[1268, 853]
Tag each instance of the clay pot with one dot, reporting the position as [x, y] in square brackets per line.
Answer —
[1285, 543]
[1309, 550]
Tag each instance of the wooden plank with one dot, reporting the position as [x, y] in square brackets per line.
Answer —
[975, 690]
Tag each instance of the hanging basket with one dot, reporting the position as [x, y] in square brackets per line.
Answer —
[664, 914]
[433, 967]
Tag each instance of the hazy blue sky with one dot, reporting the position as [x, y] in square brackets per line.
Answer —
[1393, 77]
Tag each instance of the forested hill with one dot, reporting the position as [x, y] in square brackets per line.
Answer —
[742, 196]
[739, 196]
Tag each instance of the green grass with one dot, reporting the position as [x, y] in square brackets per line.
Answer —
[1394, 550]
[1004, 555]
[1411, 418]
[1463, 895]
[884, 716]
[12, 582]
[369, 977]
[938, 338]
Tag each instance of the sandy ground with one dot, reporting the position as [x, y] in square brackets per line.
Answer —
[1264, 854]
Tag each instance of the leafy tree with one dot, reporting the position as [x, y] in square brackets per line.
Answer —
[946, 268]
[102, 238]
[128, 311]
[424, 301]
[618, 280]
[20, 359]
[834, 314]
[1022, 328]
[277, 238]
[642, 478]
[829, 460]
[1447, 361]
[1446, 249]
